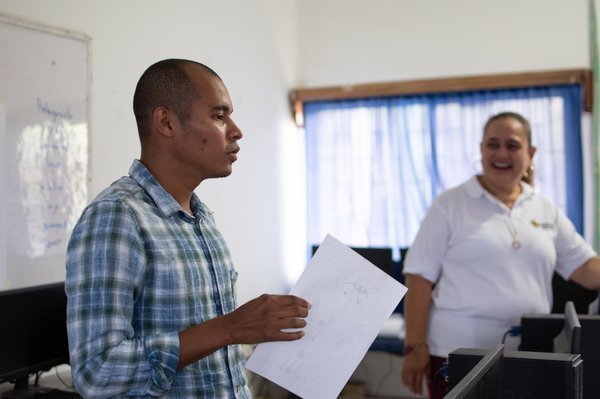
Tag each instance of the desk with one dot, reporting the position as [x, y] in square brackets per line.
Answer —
[56, 378]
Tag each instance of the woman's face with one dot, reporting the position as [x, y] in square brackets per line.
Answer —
[505, 153]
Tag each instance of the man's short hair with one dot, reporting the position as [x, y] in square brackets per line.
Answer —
[165, 84]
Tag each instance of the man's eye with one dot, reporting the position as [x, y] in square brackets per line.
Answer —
[492, 145]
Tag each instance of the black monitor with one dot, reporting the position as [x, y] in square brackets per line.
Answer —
[554, 332]
[380, 257]
[484, 380]
[527, 374]
[539, 330]
[569, 339]
[590, 353]
[33, 336]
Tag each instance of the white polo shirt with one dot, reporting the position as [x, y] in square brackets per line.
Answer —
[482, 283]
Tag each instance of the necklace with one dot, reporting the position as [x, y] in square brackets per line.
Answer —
[516, 244]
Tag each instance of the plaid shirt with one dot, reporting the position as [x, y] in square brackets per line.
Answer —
[139, 270]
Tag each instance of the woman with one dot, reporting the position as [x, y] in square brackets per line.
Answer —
[484, 255]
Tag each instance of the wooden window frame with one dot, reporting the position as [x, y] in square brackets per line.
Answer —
[582, 77]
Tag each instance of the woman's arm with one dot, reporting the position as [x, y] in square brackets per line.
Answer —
[417, 305]
[588, 274]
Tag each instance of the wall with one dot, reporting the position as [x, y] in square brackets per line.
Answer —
[262, 48]
[349, 41]
[241, 41]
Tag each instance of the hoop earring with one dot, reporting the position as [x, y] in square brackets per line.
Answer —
[529, 171]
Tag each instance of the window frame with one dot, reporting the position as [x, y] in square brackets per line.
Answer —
[582, 77]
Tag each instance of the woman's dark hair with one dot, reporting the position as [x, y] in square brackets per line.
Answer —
[513, 115]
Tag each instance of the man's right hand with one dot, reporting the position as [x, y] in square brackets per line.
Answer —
[265, 318]
[262, 319]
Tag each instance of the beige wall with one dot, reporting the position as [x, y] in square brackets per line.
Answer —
[349, 41]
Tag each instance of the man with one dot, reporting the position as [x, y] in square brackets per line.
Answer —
[150, 283]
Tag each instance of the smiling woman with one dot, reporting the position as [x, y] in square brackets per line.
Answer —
[485, 255]
[506, 155]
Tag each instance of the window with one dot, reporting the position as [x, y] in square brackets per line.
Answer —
[376, 164]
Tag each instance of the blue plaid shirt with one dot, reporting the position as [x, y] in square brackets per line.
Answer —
[139, 270]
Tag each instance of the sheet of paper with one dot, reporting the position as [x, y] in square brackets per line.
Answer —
[351, 299]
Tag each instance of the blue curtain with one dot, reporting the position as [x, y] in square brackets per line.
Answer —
[375, 165]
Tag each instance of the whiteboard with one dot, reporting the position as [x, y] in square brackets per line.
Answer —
[45, 174]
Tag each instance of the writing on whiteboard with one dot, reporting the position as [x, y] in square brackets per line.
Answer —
[51, 161]
[55, 114]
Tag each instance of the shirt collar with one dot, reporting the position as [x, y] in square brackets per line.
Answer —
[475, 189]
[163, 200]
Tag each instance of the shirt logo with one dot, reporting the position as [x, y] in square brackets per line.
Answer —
[545, 226]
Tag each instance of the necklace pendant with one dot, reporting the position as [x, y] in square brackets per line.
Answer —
[516, 244]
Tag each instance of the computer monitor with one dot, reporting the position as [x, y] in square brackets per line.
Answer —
[539, 330]
[33, 336]
[526, 374]
[590, 353]
[484, 380]
[569, 339]
[380, 257]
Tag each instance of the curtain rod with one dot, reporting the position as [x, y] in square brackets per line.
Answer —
[582, 77]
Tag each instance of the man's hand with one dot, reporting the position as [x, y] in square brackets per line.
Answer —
[260, 320]
[264, 319]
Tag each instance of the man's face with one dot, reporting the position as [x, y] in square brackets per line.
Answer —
[207, 142]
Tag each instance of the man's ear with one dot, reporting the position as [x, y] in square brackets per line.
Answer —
[164, 121]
